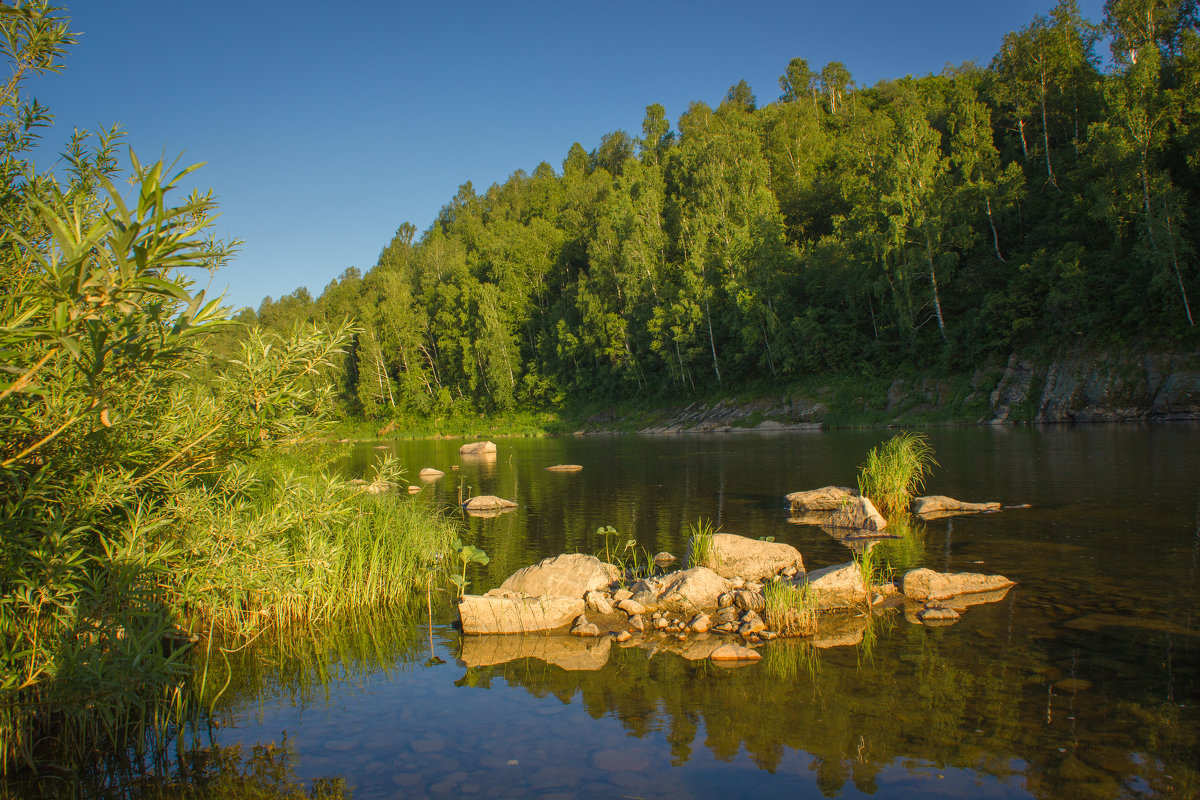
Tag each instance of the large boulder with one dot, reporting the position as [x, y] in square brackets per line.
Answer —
[925, 584]
[568, 575]
[477, 448]
[685, 591]
[858, 513]
[487, 502]
[509, 612]
[839, 586]
[739, 556]
[936, 506]
[827, 498]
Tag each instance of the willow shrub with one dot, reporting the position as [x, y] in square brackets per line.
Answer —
[134, 498]
[895, 471]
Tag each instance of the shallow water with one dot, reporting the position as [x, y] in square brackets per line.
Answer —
[1081, 683]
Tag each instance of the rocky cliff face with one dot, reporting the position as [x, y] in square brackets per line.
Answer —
[1099, 388]
[1078, 388]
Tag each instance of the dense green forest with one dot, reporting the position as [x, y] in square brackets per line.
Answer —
[1042, 203]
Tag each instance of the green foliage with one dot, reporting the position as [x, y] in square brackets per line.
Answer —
[700, 549]
[467, 554]
[790, 610]
[895, 471]
[142, 496]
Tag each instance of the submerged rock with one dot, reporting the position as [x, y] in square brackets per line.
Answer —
[740, 556]
[827, 498]
[936, 506]
[564, 468]
[567, 575]
[925, 584]
[477, 448]
[858, 513]
[509, 612]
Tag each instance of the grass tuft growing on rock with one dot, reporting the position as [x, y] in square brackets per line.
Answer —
[791, 610]
[895, 471]
[700, 552]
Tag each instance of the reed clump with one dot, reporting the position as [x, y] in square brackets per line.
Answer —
[700, 549]
[895, 471]
[790, 610]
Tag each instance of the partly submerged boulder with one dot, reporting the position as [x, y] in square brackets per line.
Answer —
[510, 612]
[567, 575]
[739, 556]
[839, 586]
[430, 474]
[925, 584]
[477, 448]
[827, 498]
[487, 502]
[685, 591]
[858, 513]
[936, 506]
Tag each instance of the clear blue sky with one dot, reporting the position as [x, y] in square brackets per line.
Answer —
[325, 125]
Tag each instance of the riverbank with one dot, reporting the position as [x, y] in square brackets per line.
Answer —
[1077, 388]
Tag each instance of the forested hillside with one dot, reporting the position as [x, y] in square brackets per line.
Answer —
[1043, 203]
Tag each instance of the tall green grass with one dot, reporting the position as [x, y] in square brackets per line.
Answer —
[700, 549]
[790, 610]
[895, 471]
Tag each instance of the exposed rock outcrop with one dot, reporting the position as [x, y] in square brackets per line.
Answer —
[686, 591]
[857, 513]
[740, 556]
[926, 585]
[827, 498]
[477, 448]
[567, 575]
[936, 506]
[499, 611]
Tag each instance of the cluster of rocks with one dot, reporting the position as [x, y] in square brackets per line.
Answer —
[716, 610]
[840, 507]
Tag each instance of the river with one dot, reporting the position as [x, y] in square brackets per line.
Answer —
[1081, 683]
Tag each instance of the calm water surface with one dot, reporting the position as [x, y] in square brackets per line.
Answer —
[1081, 683]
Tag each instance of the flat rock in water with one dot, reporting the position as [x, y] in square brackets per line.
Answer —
[487, 502]
[827, 498]
[936, 506]
[564, 468]
[567, 575]
[740, 556]
[513, 613]
[857, 513]
[925, 584]
[839, 586]
[477, 448]
[734, 652]
[430, 474]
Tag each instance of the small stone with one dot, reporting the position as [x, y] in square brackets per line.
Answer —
[937, 613]
[725, 627]
[597, 602]
[725, 600]
[738, 582]
[664, 558]
[584, 628]
[729, 614]
[636, 623]
[700, 623]
[624, 636]
[629, 606]
[681, 636]
[751, 628]
[749, 600]
[768, 635]
[660, 623]
[791, 572]
[622, 594]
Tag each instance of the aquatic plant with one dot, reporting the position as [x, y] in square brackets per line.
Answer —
[700, 549]
[895, 471]
[467, 554]
[791, 610]
[869, 568]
